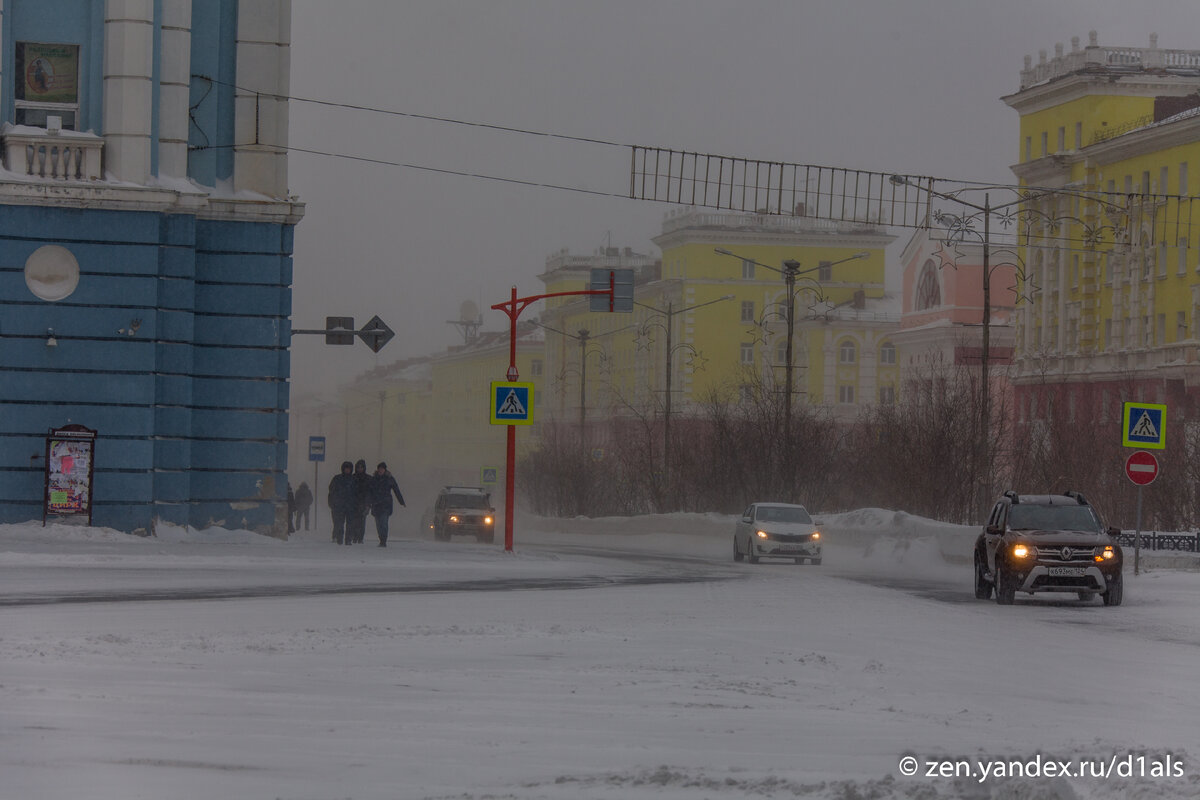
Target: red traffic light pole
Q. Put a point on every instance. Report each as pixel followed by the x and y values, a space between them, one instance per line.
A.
pixel 513 308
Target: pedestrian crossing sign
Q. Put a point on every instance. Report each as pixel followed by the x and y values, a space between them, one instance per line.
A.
pixel 1144 426
pixel 512 403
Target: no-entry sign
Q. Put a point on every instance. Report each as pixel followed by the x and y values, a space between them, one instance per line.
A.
pixel 1141 467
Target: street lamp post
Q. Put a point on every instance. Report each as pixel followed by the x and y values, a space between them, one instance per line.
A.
pixel 670 313
pixel 584 336
pixel 791 270
pixel 960 225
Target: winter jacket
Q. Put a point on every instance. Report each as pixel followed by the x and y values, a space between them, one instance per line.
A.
pixel 362 487
pixel 341 490
pixel 304 498
pixel 382 488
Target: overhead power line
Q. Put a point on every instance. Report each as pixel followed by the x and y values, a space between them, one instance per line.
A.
pixel 771 188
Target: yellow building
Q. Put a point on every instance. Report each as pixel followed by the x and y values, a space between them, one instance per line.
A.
pixel 1109 294
pixel 716 322
pixel 463 442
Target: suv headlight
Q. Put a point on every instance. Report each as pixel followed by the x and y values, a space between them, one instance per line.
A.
pixel 1022 550
pixel 816 535
pixel 1107 554
pixel 487 520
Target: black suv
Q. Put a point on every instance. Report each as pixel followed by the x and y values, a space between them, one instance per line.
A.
pixel 1047 543
pixel 464 511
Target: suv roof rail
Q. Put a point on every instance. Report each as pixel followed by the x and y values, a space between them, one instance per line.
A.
pixel 1079 498
pixel 1011 495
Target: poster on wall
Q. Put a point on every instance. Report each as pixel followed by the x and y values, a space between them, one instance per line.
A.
pixel 70 457
pixel 47 73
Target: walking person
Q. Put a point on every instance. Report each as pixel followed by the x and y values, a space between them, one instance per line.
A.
pixel 362 488
pixel 291 503
pixel 304 499
pixel 383 486
pixel 342 502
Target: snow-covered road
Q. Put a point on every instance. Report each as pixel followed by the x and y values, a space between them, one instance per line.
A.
pixel 764 681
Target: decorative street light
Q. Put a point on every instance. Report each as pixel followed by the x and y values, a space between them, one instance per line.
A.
pixel 791 270
pixel 583 337
pixel 960 226
pixel 670 312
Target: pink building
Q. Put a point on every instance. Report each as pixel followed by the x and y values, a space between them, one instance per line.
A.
pixel 941 321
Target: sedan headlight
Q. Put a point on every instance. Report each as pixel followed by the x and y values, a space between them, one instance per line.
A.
pixel 1021 551
pixel 761 534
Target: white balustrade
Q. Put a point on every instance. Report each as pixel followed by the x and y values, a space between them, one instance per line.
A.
pixel 36 153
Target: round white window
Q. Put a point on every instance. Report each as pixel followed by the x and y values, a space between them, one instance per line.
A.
pixel 51 272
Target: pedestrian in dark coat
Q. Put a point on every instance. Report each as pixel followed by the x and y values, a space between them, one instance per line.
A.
pixel 291 501
pixel 304 499
pixel 362 486
pixel 383 486
pixel 342 501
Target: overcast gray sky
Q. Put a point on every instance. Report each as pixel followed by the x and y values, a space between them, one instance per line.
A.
pixel 909 86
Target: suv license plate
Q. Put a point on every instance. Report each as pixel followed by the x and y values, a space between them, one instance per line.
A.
pixel 1066 572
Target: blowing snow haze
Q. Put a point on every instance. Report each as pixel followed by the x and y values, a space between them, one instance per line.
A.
pixel 464 212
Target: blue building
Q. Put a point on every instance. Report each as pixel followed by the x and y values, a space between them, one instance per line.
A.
pixel 145 256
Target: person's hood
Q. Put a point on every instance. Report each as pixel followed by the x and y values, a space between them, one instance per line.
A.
pixel 360 466
pixel 347 465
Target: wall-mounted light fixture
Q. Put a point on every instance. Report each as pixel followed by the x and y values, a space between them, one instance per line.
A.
pixel 50 340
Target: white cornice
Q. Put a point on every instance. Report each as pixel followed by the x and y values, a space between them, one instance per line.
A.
pixel 1146 140
pixel 1082 84
pixel 117 197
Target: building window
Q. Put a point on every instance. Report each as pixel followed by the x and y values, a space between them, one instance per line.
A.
pixel 825 271
pixel 1162 181
pixel 747 352
pixel 1180 326
pixel 1045 146
pixel 747 311
pixel 747 269
pixel 847 352
pixel 929 290
pixel 1162 259
pixel 1028 148
pixel 535 368
pixel 1181 266
pixel 887 353
pixel 1183 181
pixel 1078 135
pixel 1146 182
pixel 845 394
pixel 47 84
pixel 781 354
pixel 1160 333
pixel 887 395
pixel 1108 334
pixel 1062 139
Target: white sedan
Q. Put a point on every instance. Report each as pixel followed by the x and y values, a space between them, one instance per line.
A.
pixel 777 530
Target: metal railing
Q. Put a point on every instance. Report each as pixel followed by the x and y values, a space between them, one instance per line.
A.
pixel 1151 540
